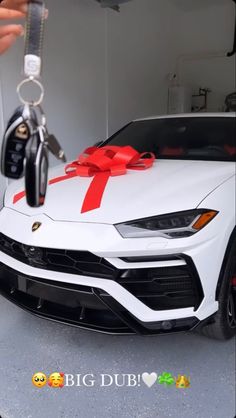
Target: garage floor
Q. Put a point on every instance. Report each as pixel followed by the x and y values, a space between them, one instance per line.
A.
pixel 29 344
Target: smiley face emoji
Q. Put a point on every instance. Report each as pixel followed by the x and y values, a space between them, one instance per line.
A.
pixel 39 380
pixel 56 380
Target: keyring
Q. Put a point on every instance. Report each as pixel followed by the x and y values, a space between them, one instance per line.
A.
pixel 27 102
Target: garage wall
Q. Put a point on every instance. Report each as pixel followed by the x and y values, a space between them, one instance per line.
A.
pixel 141 52
pixel 144 43
pixel 206 26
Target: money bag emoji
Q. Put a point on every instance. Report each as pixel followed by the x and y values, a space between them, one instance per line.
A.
pixel 182 382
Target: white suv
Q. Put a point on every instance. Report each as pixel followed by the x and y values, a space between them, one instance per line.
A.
pixel 157 256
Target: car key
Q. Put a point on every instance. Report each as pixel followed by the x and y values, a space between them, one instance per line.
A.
pixel 50 140
pixel 55 148
pixel 36 168
pixel 26 141
pixel 36 160
pixel 18 132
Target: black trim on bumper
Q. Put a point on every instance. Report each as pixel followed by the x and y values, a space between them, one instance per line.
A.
pixel 81 306
pixel 165 288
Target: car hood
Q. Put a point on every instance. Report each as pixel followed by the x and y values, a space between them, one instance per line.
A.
pixel 169 186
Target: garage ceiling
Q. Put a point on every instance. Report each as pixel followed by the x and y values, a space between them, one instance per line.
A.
pixel 113 4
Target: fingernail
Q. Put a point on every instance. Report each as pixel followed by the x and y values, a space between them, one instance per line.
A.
pixel 22 30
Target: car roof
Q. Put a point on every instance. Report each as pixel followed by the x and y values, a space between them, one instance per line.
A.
pixel 191 115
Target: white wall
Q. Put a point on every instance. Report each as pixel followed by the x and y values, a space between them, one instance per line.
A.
pixel 206 26
pixel 144 42
pixel 141 52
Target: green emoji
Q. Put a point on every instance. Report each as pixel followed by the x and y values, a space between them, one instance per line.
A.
pixel 166 379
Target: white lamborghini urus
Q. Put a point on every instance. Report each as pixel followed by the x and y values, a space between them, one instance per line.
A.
pixel 157 255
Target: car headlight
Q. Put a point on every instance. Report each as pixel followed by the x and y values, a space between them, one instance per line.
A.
pixel 172 225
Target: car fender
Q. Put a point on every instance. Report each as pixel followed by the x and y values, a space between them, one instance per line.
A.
pixel 223 199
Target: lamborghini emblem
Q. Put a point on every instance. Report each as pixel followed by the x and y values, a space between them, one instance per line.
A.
pixel 36 226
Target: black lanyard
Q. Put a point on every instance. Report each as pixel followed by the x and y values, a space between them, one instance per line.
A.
pixel 34 38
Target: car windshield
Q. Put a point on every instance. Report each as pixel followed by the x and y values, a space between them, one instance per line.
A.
pixel 187 138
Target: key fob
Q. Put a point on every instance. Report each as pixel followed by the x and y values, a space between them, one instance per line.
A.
pixel 36 169
pixel 19 130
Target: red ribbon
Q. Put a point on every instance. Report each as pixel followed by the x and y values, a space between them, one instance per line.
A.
pixel 101 163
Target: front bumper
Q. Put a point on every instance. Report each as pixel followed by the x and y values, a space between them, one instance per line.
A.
pixel 110 290
pixel 82 306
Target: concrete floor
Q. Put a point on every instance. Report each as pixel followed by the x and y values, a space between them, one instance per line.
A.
pixel 29 344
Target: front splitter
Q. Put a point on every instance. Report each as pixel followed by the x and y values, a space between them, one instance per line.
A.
pixel 82 306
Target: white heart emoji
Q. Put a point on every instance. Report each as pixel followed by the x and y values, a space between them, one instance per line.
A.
pixel 149 379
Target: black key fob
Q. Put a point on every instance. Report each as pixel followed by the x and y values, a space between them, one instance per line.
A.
pixel 36 169
pixel 19 130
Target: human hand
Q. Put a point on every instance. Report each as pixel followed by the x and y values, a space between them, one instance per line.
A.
pixel 11 9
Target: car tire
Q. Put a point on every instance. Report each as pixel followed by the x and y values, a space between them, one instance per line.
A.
pixel 223 324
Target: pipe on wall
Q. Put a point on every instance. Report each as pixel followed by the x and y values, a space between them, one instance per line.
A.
pixel 231 53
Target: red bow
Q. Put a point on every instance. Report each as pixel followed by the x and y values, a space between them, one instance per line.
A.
pixel 101 163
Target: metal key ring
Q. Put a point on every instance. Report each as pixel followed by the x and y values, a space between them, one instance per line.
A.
pixel 26 102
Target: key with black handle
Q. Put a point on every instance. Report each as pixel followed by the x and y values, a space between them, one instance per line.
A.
pixel 36 168
pixel 36 160
pixel 19 130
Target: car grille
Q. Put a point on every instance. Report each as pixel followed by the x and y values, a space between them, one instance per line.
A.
pixel 82 263
pixel 159 288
